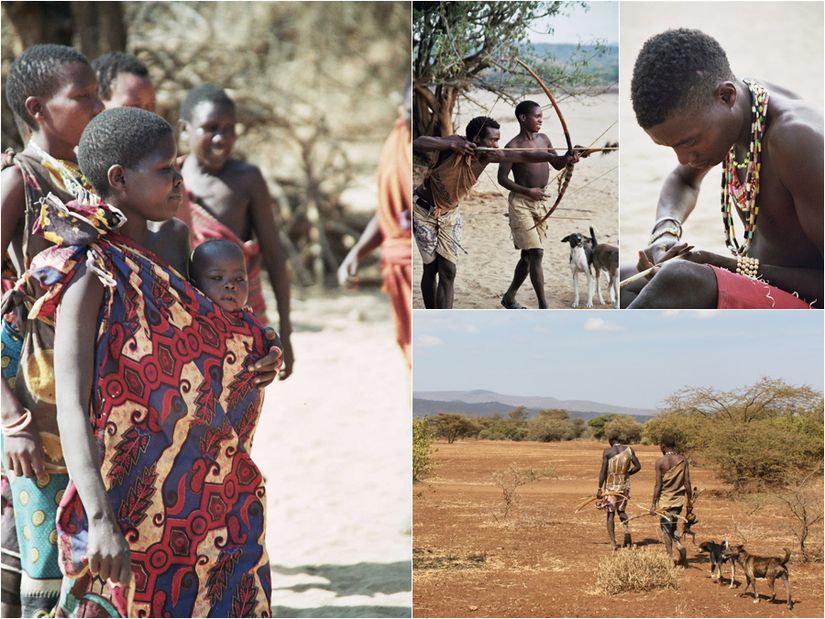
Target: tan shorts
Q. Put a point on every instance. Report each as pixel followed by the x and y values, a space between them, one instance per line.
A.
pixel 437 235
pixel 524 213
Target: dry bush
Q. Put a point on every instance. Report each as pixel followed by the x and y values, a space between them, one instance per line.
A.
pixel 511 479
pixel 635 569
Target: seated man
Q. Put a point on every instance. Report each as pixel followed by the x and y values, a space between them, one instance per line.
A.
pixel 686 97
pixel 436 219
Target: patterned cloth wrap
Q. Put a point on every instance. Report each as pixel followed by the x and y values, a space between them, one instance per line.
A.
pixel 173 412
pixel 33 506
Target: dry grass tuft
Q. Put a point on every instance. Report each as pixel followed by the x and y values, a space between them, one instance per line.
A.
pixel 635 569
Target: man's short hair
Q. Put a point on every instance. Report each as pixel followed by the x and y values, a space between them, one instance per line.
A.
pixel 675 70
pixel 204 92
pixel 477 127
pixel 123 136
pixel 38 73
pixel 667 440
pixel 615 435
pixel 110 65
pixel 525 107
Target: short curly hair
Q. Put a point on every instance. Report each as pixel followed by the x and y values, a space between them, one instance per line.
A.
pixel 123 136
pixel 477 127
pixel 675 70
pixel 38 72
pixel 525 107
pixel 199 94
pixel 108 66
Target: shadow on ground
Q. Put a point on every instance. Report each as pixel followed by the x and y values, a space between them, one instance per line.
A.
pixel 344 581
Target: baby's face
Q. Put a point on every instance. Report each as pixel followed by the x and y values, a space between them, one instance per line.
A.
pixel 223 279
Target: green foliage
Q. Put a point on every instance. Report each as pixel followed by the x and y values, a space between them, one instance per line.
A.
pixel 626 429
pixel 452 426
pixel 421 451
pixel 497 429
pixel 597 424
pixel 760 436
pixel 551 425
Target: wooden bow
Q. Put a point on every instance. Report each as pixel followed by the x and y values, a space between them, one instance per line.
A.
pixel 568 170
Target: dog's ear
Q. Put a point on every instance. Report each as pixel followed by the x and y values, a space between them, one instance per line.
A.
pixel 566 239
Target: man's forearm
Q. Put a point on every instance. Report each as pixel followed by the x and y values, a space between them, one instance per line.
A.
pixel 430 143
pixel 678 196
pixel 514 186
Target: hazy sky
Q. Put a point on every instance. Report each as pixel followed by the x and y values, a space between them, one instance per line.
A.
pixel 625 358
pixel 581 26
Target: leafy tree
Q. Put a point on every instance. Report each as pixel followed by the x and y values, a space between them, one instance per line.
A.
pixel 597 424
pixel 625 428
pixel 454 43
pixel 764 434
pixel 518 414
pixel 452 426
pixel 548 429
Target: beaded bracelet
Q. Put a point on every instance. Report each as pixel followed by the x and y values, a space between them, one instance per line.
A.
pixel 677 232
pixel 747 266
pixel 19 424
pixel 675 220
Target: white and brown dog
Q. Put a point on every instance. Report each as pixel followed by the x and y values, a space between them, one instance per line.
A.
pixel 605 257
pixel 581 257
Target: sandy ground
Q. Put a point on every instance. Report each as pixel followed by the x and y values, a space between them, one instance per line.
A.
pixel 779 42
pixel 486 270
pixel 334 446
pixel 541 561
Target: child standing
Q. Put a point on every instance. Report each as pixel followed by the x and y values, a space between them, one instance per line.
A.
pixel 229 199
pixel 165 513
pixel 52 89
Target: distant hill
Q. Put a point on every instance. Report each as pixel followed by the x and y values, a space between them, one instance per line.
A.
pixel 481 402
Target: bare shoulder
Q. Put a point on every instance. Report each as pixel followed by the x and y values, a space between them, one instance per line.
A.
pixel 796 129
pixel 12 179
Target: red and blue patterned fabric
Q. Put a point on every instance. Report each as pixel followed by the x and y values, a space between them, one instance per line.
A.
pixel 173 412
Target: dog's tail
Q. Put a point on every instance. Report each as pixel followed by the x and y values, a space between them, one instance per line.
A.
pixel 593 237
pixel 784 561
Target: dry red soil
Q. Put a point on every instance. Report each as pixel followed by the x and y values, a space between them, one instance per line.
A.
pixel 541 560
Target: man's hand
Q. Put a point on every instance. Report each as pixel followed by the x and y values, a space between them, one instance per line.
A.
pixel 571 158
pixel 461 145
pixel 536 193
pixel 23 452
pixel 658 253
pixel 289 359
pixel 348 272
pixel 108 552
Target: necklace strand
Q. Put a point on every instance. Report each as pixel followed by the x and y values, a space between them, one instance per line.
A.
pixel 746 202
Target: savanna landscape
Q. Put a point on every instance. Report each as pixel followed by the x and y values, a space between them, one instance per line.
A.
pixel 497 532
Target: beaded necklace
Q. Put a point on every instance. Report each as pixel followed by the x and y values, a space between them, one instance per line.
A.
pixel 745 198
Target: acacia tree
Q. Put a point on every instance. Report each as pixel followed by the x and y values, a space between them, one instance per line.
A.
pixel 455 42
pixel 452 426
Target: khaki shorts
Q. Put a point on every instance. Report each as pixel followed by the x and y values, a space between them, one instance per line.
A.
pixel 437 235
pixel 524 213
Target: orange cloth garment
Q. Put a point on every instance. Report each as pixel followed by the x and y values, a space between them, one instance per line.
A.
pixel 394 216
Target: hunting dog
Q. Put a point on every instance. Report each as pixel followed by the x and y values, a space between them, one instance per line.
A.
pixel 718 559
pixel 581 257
pixel 769 568
pixel 605 258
